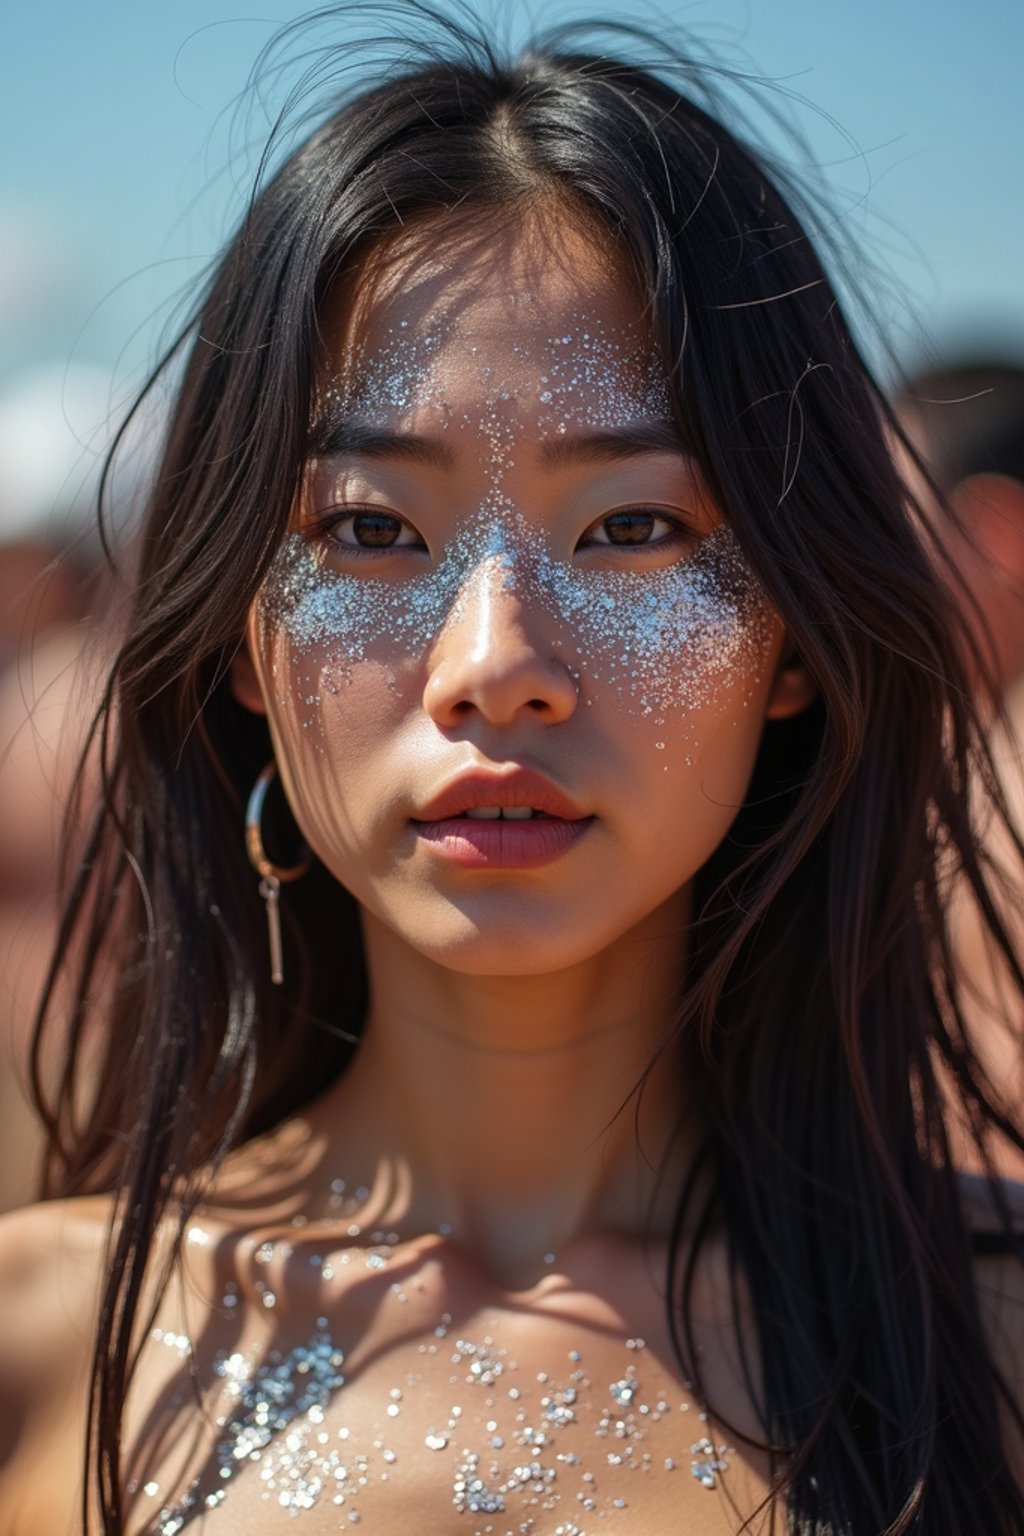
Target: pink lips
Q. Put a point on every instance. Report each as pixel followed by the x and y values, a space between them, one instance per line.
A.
pixel 501 844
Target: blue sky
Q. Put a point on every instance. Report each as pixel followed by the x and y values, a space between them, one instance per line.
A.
pixel 113 190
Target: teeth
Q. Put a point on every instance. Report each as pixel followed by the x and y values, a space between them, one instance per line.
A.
pixel 507 813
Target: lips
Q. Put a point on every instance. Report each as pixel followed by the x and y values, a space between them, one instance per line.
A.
pixel 516 790
pixel 515 820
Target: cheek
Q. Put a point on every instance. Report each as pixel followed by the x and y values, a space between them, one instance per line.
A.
pixel 340 675
pixel 330 725
pixel 315 625
pixel 684 787
pixel 672 644
pixel 334 648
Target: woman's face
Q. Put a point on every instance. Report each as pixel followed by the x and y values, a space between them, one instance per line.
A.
pixel 514 665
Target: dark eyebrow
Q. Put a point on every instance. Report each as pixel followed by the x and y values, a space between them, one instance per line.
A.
pixel 332 438
pixel 619 443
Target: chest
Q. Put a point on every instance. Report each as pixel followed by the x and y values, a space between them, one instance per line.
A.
pixel 482 1420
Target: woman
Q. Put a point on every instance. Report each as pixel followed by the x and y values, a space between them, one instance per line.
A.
pixel 536 1121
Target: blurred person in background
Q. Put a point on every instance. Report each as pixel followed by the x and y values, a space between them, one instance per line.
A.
pixel 967 420
pixel 47 479
pixel 50 586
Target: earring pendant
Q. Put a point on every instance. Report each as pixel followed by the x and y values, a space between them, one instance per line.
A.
pixel 270 890
pixel 271 874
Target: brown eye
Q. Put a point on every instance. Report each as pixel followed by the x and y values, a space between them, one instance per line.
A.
pixel 368 531
pixel 640 528
pixel 630 527
pixel 375 530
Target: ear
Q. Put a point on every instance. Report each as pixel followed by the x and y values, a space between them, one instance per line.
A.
pixel 245 685
pixel 793 689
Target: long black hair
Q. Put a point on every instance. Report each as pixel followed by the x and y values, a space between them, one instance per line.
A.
pixel 821 1009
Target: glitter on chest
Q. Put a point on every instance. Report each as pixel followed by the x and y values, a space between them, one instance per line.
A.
pixel 519 1450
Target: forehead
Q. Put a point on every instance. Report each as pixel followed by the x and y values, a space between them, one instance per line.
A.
pixel 493 304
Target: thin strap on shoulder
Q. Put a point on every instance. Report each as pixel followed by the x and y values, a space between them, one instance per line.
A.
pixel 985 1207
pixel 993 1244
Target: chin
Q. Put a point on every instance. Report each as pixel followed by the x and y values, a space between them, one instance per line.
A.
pixel 505 946
pixel 497 961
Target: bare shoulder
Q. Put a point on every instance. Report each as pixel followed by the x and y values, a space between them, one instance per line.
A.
pixel 51 1269
pixel 51 1265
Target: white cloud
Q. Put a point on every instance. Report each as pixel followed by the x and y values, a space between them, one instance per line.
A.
pixel 55 425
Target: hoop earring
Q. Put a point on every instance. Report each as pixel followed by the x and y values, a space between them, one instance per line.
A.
pixel 272 876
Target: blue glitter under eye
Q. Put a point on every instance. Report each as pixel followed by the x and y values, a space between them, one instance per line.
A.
pixel 665 638
pixel 668 637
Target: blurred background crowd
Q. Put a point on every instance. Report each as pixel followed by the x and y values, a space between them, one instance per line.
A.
pixel 128 151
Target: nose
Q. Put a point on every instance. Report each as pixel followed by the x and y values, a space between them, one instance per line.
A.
pixel 493 659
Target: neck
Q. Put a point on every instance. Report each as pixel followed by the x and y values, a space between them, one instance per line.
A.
pixel 508 1109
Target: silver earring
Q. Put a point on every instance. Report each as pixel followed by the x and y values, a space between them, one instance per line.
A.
pixel 272 876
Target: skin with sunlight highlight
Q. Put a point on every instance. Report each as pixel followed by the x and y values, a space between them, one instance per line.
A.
pixel 504 564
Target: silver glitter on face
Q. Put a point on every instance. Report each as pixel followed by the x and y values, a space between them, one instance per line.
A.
pixel 664 639
pixel 583 376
